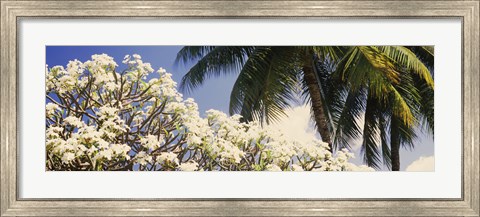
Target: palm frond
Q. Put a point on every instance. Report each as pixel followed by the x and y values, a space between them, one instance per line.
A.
pixel 426 110
pixel 358 63
pixel 400 107
pixel 405 134
pixel 426 105
pixel 324 52
pixel 192 53
pixel 266 85
pixel 405 58
pixel 424 54
pixel 378 61
pixel 347 112
pixel 371 134
pixel 218 61
pixel 396 93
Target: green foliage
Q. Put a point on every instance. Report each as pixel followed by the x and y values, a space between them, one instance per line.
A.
pixel 363 88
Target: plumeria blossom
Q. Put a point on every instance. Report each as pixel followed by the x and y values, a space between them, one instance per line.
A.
pixel 188 166
pixel 51 108
pixel 151 142
pixel 73 121
pixel 102 116
pixel 168 157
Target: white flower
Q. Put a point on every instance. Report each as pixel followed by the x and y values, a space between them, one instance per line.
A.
pixel 91 150
pixel 58 145
pixel 104 60
pixel 296 167
pixel 167 156
pixel 143 158
pixel 102 144
pixel 138 119
pixel 121 150
pixel 106 154
pixel 75 68
pixel 89 134
pixel 74 121
pixel 53 132
pixel 111 86
pixel 106 112
pixel 65 83
pixel 189 166
pixel 126 59
pixel 273 167
pixel 361 168
pixel 104 78
pixel 136 56
pixel 193 140
pixel 161 71
pixel 150 142
pixel 68 157
pixel 51 108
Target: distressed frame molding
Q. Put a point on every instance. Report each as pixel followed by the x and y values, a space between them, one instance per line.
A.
pixel 11 11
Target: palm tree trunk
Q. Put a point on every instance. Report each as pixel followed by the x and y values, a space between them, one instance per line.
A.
pixel 316 99
pixel 395 145
pixel 395 155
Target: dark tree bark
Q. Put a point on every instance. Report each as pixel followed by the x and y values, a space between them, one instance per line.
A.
pixel 395 145
pixel 316 100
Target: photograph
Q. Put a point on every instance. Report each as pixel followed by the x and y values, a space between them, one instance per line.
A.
pixel 239 108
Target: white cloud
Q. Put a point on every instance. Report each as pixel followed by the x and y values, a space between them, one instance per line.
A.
pixel 297 125
pixel 423 164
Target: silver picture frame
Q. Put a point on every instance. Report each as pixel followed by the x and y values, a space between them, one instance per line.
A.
pixel 12 11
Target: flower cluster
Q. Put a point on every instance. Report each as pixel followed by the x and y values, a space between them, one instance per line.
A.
pixel 101 119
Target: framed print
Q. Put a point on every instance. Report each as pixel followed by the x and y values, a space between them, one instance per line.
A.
pixel 226 108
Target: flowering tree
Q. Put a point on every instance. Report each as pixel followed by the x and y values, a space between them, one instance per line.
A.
pixel 98 118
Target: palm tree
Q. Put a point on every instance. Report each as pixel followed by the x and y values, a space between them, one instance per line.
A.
pixel 391 88
pixel 268 79
pixel 366 80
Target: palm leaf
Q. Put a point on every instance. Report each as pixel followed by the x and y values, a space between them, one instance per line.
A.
pixel 424 54
pixel 371 134
pixel 266 85
pixel 426 113
pixel 358 63
pixel 347 110
pixel 218 61
pixel 426 105
pixel 192 53
pixel 325 52
pixel 405 58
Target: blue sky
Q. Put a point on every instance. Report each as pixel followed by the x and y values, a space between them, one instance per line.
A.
pixel 213 94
